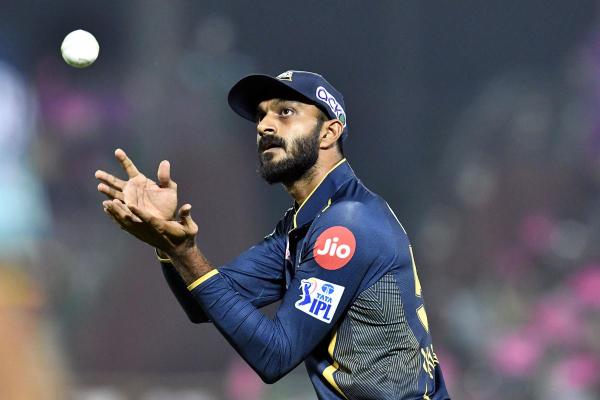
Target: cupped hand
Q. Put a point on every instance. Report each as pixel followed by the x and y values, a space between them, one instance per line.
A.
pixel 156 199
pixel 173 237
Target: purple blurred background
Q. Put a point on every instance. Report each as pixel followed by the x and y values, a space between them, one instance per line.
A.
pixel 477 121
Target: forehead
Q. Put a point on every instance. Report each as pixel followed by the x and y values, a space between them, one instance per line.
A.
pixel 279 102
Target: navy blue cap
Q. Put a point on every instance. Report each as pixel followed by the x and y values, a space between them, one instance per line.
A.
pixel 304 86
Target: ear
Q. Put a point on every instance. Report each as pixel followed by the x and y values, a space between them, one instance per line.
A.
pixel 330 133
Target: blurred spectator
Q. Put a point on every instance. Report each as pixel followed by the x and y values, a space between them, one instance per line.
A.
pixel 516 226
pixel 31 366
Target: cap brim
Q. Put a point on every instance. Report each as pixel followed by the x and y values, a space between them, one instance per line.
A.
pixel 245 95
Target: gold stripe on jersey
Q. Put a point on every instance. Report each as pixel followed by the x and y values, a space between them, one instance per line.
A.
pixel 423 317
pixel 418 290
pixel 328 372
pixel 327 206
pixel 425 396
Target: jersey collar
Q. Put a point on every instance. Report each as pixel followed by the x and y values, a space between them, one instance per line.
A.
pixel 321 195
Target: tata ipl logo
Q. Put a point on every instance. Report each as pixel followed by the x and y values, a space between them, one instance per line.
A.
pixel 327 98
pixel 319 298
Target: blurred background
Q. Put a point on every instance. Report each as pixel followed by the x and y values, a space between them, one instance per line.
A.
pixel 477 121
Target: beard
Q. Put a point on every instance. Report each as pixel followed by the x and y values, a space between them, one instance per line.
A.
pixel 301 156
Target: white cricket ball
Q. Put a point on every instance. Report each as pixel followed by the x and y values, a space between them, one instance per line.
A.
pixel 80 49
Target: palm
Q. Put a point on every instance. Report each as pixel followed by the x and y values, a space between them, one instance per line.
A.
pixel 147 209
pixel 160 202
pixel 157 199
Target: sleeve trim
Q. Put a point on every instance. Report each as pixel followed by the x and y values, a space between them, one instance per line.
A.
pixel 200 280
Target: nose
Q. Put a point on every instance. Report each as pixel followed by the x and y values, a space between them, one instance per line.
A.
pixel 266 126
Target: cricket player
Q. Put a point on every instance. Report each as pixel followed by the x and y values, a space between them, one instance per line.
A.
pixel 339 260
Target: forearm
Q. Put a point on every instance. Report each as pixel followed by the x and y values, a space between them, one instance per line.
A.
pixel 256 275
pixel 191 307
pixel 174 273
pixel 264 343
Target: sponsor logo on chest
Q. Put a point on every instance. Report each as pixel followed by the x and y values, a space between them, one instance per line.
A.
pixel 334 247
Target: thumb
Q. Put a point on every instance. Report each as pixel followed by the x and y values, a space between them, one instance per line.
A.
pixel 164 175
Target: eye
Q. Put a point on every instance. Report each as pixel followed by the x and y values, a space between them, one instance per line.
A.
pixel 286 111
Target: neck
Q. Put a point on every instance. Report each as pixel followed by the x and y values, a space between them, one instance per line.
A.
pixel 303 187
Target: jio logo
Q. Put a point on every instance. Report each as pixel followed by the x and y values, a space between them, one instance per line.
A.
pixel 334 247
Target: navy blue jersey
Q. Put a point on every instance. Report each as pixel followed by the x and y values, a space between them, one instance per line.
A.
pixel 351 303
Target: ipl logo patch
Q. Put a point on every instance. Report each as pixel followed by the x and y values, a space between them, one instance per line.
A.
pixel 319 298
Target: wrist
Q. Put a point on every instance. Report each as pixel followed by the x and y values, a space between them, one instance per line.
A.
pixel 162 256
pixel 184 254
pixel 190 263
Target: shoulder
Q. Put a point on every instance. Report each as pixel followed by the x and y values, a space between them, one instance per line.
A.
pixel 361 219
pixel 347 211
pixel 366 210
pixel 367 216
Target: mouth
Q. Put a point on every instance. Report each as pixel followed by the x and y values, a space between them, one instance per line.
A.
pixel 270 146
pixel 268 142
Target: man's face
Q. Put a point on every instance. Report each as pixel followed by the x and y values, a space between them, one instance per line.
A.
pixel 288 139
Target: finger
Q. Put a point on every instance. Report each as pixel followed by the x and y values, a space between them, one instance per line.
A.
pixel 114 218
pixel 145 216
pixel 106 210
pixel 113 213
pixel 170 228
pixel 125 211
pixel 185 214
pixel 119 214
pixel 164 175
pixel 110 214
pixel 110 192
pixel 186 218
pixel 115 210
pixel 126 163
pixel 110 180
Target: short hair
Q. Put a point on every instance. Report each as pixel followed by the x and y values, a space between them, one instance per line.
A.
pixel 323 117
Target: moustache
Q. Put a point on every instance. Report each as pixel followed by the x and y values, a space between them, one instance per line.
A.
pixel 269 141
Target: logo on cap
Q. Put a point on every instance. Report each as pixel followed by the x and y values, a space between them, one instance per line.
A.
pixel 285 76
pixel 326 97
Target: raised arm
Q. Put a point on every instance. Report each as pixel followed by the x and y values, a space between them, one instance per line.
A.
pixel 271 346
pixel 257 274
pixel 160 200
